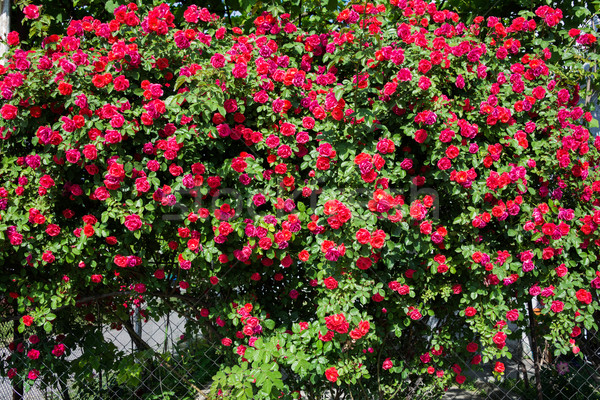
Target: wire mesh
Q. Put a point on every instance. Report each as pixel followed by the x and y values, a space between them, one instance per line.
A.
pixel 162 358
pixel 153 359
pixel 561 377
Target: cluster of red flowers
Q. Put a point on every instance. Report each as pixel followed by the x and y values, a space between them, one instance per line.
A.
pixel 338 212
pixel 269 122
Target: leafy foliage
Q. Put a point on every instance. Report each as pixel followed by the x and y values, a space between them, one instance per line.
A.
pixel 360 206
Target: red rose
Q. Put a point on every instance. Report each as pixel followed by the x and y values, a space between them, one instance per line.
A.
pixel 331 374
pixel 90 152
pixel 470 311
pixel 363 236
pixel 337 323
pixel 27 320
pixel 304 255
pixel 88 230
pixel 472 347
pixel 120 260
pixel 53 230
pixel 121 83
pixel 58 350
pixel 425 227
pixel 72 156
pixel 48 257
pixel 499 339
pixel 378 239
pixel 265 243
pixel 499 367
pixel 414 314
pixel 8 111
pixel 330 283
pixel 319 113
pixel 584 296
pixel 101 193
pixel 322 163
pixel 65 88
pixel 561 270
pixel 444 163
pixel 96 278
pixel 13 38
pixel 557 306
pixel 364 263
pixel 261 97
pixel 424 66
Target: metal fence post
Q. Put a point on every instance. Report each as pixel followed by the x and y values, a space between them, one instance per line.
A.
pixel 536 357
pixel 17 384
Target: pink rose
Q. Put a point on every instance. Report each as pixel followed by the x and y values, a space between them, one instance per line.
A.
pixel 404 75
pixel 284 151
pixel 33 374
pixel 444 163
pixel 33 354
pixel 73 156
pixel 240 71
pixel 31 12
pixel 308 122
pixel 121 83
pixel 217 61
pixel 133 222
pixel 387 364
pixel 261 97
pixel 101 193
pixel 512 315
pixel 58 350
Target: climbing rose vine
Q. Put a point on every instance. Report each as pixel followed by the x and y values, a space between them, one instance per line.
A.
pixel 370 206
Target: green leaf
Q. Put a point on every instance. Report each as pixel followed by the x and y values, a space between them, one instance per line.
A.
pixel 269 324
pixel 267 386
pixel 110 6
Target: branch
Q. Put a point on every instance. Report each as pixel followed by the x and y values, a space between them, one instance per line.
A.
pixel 379 367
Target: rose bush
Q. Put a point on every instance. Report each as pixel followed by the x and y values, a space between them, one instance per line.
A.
pixel 365 206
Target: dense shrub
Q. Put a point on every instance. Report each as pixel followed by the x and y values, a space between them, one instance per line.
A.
pixel 367 205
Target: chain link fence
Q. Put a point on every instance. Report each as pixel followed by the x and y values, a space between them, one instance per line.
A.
pixel 551 377
pixel 161 358
pixel 143 358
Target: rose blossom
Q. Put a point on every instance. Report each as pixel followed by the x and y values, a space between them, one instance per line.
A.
pixel 31 11
pixel 133 222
